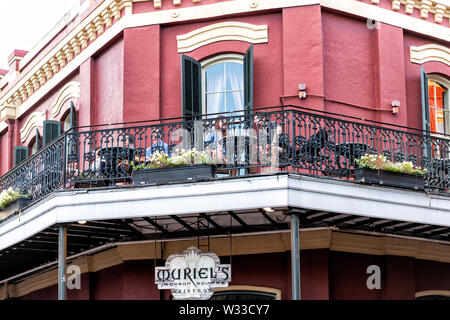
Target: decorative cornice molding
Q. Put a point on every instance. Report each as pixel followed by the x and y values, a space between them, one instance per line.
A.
pixel 8 111
pixel 230 30
pixel 430 52
pixel 439 8
pixel 92 27
pixel 70 90
pixel 36 119
pixel 157 4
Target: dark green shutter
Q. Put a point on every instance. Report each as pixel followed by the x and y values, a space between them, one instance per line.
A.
pixel 425 100
pixel 191 87
pixel 73 115
pixel 52 129
pixel 248 79
pixel 38 140
pixel 425 113
pixel 248 85
pixel 20 154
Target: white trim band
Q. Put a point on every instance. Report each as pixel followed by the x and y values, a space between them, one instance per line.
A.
pixel 276 191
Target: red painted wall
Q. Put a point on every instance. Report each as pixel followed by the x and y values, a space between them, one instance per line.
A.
pixel 348 68
pixel 324 275
pixel 109 84
pixel 141 96
pixel 303 58
pixel 432 275
pixel 348 276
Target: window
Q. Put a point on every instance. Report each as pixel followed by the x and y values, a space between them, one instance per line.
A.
pixel 439 109
pixel 435 103
pixel 36 142
pixel 220 84
pixel 433 295
pixel 67 123
pixel 70 120
pixel 223 84
pixel 243 295
pixel 246 292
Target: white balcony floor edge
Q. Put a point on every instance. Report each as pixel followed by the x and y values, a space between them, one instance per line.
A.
pixel 232 194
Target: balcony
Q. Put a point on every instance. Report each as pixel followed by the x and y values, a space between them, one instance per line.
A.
pixel 284 159
pixel 282 139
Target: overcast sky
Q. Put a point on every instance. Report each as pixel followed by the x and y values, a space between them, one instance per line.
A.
pixel 24 22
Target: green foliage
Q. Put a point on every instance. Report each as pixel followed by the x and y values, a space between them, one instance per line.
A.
pixel 9 195
pixel 181 158
pixel 380 162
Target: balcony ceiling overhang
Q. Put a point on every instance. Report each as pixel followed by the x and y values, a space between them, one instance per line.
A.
pixel 281 191
pixel 212 208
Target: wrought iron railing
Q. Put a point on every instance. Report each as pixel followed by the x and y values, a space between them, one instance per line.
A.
pixel 285 139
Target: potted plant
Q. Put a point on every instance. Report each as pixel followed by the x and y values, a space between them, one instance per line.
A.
pixel 11 201
pixel 185 165
pixel 377 169
pixel 87 179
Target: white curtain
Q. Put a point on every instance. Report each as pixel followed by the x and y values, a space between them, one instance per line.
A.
pixel 215 83
pixel 236 81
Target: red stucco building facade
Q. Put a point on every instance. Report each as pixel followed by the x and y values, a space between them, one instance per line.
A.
pixel 120 61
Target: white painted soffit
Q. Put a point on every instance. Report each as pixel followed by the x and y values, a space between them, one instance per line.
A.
pixel 229 194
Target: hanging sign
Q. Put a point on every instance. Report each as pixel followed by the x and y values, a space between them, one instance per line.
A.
pixel 193 274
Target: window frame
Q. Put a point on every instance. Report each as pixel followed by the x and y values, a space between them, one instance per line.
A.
pixel 228 57
pixel 32 145
pixel 248 289
pixel 65 119
pixel 422 295
pixel 445 83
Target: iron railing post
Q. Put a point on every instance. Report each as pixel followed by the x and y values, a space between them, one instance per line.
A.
pixel 65 160
pixel 292 137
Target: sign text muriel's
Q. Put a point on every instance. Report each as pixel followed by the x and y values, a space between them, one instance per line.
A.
pixel 193 274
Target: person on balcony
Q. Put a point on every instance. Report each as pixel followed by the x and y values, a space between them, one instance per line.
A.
pixel 215 143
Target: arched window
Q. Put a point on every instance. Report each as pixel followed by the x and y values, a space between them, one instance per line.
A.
pixel 220 84
pixel 70 119
pixel 438 99
pixel 435 103
pixel 67 123
pixel 223 84
pixel 35 143
pixel 243 292
pixel 433 295
pixel 34 147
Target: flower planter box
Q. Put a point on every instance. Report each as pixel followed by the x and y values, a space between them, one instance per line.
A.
pixel 389 178
pixel 14 206
pixel 174 174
